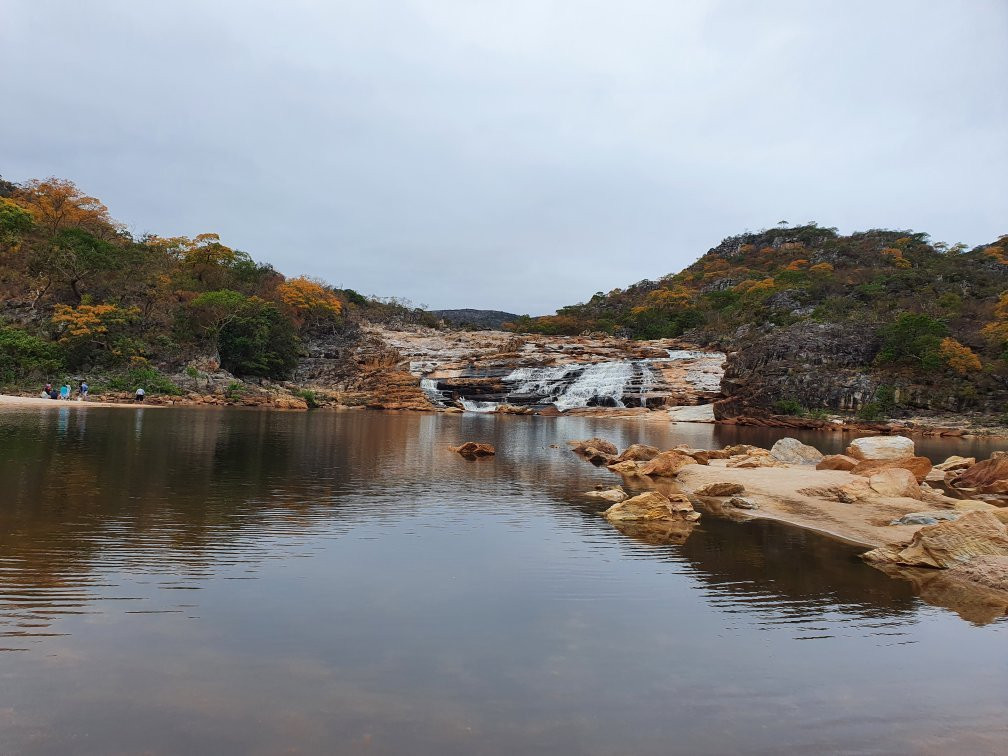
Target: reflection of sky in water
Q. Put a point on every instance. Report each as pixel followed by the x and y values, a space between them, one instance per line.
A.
pixel 221 581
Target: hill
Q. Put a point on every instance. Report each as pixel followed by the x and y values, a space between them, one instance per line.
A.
pixel 475 319
pixel 877 321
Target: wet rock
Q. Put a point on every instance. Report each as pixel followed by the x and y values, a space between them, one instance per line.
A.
pixel 721 489
pixel 473 449
pixel 616 494
pixel 793 452
pixel 989 571
pixel 947 544
pixel 638 453
pixel 740 502
pixel 597 457
pixel 881 447
pixel 667 464
pixel 653 506
pixel 919 466
pixel 895 482
pixel 837 462
pixel 601 445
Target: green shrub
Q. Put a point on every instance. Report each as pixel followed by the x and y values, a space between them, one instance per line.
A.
pixel 146 377
pixel 24 356
pixel 870 412
pixel 789 407
pixel 260 341
pixel 912 340
pixel 235 390
pixel 309 396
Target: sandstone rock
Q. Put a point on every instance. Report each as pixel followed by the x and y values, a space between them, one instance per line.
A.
pixel 638 453
pixel 597 457
pixel 895 482
pixel 984 476
pixel 936 475
pixel 956 463
pixel 627 468
pixel 754 460
pixel 743 450
pixel 947 544
pixel 717 454
pixel 970 505
pixel 742 503
pixel 609 494
pixel 919 466
pixel 837 462
pixel 580 447
pixel 652 506
pixel 667 464
pixel 793 452
pixel 721 489
pixel 991 571
pixel 473 449
pixel 881 447
pixel 700 456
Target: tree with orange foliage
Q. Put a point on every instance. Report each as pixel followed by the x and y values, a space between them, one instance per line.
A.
pixel 309 302
pixel 958 356
pixel 201 254
pixel 94 331
pixel 56 204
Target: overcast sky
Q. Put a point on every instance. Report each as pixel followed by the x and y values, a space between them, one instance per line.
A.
pixel 511 155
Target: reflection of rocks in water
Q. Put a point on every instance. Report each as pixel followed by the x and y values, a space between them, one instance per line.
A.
pixel 657 533
pixel 972 601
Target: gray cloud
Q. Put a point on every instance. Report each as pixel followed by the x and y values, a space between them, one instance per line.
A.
pixel 515 155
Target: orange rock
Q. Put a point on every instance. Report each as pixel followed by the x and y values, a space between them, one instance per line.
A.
pixel 919 466
pixel 473 449
pixel 667 464
pixel 837 462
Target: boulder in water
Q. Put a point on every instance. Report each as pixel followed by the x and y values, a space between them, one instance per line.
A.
pixel 794 452
pixel 616 494
pixel 638 453
pixel 740 502
pixel 919 466
pixel 473 449
pixel 667 464
pixel 881 447
pixel 653 506
pixel 601 445
pixel 627 468
pixel 956 463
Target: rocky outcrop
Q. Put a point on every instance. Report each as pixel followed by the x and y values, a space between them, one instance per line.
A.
pixel 598 444
pixel 653 506
pixel 720 489
pixel 638 453
pixel 667 464
pixel 616 494
pixel 895 482
pixel 794 452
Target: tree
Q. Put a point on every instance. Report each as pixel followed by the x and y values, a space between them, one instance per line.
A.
pixel 94 333
pixel 309 302
pixel 75 257
pixel 913 340
pixel 259 341
pixel 213 310
pixel 24 355
pixel 58 204
pixel 959 357
pixel 15 222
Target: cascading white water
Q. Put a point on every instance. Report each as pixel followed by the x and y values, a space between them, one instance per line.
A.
pixel 472 406
pixel 430 387
pixel 574 385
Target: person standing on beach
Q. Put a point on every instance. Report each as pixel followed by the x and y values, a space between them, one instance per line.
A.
pixel 82 392
pixel 140 394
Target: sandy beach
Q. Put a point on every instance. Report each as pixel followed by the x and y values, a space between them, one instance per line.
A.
pixel 7 400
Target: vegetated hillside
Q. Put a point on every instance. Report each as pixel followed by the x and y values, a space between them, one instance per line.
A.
pixel 82 296
pixel 475 320
pixel 877 321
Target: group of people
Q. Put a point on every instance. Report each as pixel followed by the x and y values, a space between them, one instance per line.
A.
pixel 64 392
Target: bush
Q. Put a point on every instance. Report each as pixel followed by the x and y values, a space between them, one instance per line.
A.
pixel 309 396
pixel 913 340
pixel 146 377
pixel 789 407
pixel 24 356
pixel 870 412
pixel 260 341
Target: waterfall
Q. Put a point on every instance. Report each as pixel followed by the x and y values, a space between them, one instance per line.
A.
pixel 430 387
pixel 574 385
pixel 472 406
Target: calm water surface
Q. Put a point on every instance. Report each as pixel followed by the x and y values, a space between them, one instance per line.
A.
pixel 208 581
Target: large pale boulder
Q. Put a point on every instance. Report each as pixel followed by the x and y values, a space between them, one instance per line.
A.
pixel 793 452
pixel 881 447
pixel 667 464
pixel 895 482
pixel 947 544
pixel 638 453
pixel 720 489
pixel 919 466
pixel 601 445
pixel 653 506
pixel 837 462
pixel 473 449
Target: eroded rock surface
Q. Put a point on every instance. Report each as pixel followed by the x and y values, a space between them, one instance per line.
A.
pixel 653 506
pixel 881 447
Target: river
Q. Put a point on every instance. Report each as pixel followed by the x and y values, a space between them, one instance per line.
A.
pixel 240 581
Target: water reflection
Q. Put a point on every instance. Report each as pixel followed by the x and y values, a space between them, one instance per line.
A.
pixel 341 581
